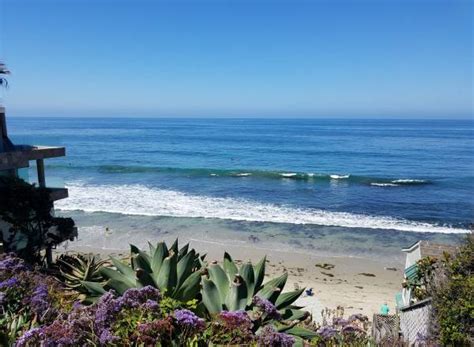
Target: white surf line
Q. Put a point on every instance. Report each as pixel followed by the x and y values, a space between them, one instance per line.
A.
pixel 141 200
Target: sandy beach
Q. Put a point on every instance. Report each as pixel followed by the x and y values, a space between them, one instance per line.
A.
pixel 358 284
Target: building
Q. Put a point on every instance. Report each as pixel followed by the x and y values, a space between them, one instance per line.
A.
pixel 15 161
pixel 422 249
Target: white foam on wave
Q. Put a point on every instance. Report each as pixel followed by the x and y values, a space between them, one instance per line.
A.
pixel 406 180
pixel 384 184
pixel 243 174
pixel 288 175
pixel 142 200
pixel 339 177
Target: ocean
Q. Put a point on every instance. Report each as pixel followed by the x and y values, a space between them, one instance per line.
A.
pixel 345 186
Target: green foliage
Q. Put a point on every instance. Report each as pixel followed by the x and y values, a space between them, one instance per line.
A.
pixel 27 210
pixel 75 269
pixel 230 288
pixel 425 270
pixel 452 294
pixel 175 272
pixel 13 324
pixel 169 305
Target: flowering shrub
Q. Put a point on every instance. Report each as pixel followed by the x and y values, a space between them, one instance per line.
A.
pixel 268 336
pixel 36 310
pixel 26 297
pixel 231 328
pixel 338 331
pixel 132 319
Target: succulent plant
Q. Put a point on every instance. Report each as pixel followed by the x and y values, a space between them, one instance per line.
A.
pixel 230 288
pixel 75 269
pixel 173 271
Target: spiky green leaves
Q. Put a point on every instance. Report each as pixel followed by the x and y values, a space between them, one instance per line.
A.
pixel 174 271
pixel 231 288
pixel 74 269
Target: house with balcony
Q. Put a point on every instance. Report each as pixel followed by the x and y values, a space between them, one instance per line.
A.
pixel 15 161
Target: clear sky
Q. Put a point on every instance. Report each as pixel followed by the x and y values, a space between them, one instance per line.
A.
pixel 238 58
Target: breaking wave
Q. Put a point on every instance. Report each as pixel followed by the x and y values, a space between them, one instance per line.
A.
pixel 256 174
pixel 142 200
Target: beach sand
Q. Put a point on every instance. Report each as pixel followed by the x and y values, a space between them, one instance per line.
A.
pixel 360 285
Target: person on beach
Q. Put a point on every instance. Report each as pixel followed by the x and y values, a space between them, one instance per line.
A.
pixel 384 309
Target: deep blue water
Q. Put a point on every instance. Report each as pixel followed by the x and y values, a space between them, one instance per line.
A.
pixel 405 175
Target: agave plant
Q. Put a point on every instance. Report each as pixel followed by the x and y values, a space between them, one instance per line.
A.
pixel 231 288
pixel 228 287
pixel 75 269
pixel 173 271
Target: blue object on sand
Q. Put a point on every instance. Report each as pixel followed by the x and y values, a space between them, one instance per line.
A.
pixel 309 292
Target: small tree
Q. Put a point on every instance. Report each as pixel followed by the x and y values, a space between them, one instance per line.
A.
pixel 29 226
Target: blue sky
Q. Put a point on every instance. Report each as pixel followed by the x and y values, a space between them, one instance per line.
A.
pixel 238 58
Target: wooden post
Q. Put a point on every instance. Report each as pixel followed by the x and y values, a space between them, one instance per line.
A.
pixel 49 256
pixel 40 169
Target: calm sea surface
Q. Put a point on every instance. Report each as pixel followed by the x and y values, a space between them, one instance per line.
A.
pixel 308 184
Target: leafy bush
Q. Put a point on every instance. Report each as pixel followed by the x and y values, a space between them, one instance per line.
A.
pixel 451 287
pixel 27 210
pixel 423 278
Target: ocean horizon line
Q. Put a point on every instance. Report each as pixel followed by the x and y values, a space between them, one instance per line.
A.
pixel 250 117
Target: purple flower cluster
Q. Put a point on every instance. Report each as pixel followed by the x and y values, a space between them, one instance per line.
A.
pixel 107 338
pixel 352 329
pixel 31 337
pixel 327 332
pixel 9 283
pixel 88 323
pixel 187 320
pixel 236 319
pixel 39 300
pixel 157 331
pixel 232 328
pixel 267 307
pixel 105 310
pixel 108 307
pixel 11 264
pixel 134 297
pixel 66 330
pixel 268 336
